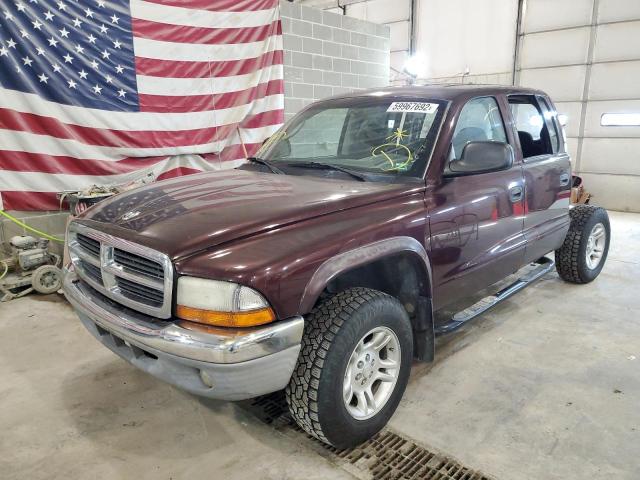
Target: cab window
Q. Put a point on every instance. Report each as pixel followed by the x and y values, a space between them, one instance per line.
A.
pixel 479 120
pixel 533 132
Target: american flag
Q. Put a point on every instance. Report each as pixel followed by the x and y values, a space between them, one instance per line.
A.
pixel 108 91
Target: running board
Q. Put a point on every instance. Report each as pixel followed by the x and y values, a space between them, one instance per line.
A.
pixel 542 266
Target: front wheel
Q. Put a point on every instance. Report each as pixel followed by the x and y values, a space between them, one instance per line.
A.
pixel 584 251
pixel 353 367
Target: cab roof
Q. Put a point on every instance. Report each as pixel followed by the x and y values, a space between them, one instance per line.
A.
pixel 450 91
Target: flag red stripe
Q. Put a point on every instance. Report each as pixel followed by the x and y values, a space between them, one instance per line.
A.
pixel 21 200
pixel 40 162
pixel 202 35
pixel 202 103
pixel 41 125
pixel 18 200
pixel 186 69
pixel 221 5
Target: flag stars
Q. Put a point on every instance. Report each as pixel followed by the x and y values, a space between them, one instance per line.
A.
pixel 105 54
pixel 52 42
pixel 114 19
pixel 100 3
pixel 20 6
pixel 37 25
pixel 83 74
pixel 109 79
pixel 40 50
pixel 79 48
pixel 64 32
pixel 24 34
pixel 103 29
pixel 88 13
pixel 77 22
pixel 117 44
pixel 43 78
pixel 27 61
pixel 56 67
pixel 8 15
pixel 72 84
pixel 119 69
pixel 121 93
pixel 11 43
pixel 91 39
pixel 4 52
pixel 62 6
pixel 49 16
pixel 94 64
pixel 68 58
pixel 97 89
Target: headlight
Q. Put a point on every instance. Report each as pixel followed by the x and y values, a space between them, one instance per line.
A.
pixel 223 304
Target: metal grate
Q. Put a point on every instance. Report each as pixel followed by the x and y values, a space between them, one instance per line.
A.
pixel 140 293
pixel 89 244
pixel 387 456
pixel 93 271
pixel 138 264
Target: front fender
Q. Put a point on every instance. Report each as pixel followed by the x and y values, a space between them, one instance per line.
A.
pixel 359 256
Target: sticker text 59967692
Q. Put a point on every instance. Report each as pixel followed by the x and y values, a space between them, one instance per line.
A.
pixel 417 107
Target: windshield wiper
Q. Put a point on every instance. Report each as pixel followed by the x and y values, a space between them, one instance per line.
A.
pixel 269 165
pixel 329 166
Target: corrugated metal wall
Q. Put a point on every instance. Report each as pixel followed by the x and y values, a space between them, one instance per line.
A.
pixel 585 53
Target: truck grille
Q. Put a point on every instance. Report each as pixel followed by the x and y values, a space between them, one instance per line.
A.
pixel 128 273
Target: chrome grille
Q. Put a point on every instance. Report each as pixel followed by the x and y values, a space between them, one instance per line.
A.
pixel 135 276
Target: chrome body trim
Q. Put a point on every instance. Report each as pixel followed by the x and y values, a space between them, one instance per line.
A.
pixel 110 269
pixel 225 346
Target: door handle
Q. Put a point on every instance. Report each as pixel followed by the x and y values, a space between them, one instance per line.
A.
pixel 564 179
pixel 515 194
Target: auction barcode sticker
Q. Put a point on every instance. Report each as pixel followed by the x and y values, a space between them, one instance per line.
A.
pixel 419 107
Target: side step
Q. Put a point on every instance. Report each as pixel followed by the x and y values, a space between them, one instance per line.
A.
pixel 541 267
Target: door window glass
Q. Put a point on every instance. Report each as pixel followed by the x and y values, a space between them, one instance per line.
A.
pixel 532 128
pixel 479 120
pixel 549 120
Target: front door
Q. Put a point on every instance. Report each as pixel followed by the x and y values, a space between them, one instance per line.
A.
pixel 476 220
pixel 547 173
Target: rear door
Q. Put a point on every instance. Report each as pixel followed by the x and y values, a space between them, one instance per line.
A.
pixel 547 173
pixel 475 220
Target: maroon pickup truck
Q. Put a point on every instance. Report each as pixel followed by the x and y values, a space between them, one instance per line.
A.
pixel 317 266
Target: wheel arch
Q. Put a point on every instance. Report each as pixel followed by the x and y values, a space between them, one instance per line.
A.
pixel 398 266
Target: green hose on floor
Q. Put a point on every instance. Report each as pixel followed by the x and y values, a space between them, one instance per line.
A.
pixel 31 229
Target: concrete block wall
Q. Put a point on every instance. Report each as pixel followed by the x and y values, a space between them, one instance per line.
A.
pixel 328 54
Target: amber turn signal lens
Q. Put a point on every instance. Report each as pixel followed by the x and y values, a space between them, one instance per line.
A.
pixel 226 319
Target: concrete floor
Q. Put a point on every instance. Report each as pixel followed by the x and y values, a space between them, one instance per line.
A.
pixel 544 386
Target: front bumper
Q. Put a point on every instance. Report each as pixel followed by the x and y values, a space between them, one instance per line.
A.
pixel 228 364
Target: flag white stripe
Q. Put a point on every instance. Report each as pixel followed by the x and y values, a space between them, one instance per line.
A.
pixel 137 121
pixel 190 17
pixel 188 52
pixel 44 144
pixel 205 86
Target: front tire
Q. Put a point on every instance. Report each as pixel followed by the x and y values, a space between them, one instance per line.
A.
pixel 582 255
pixel 353 367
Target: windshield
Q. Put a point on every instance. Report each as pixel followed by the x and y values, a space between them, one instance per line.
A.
pixel 362 134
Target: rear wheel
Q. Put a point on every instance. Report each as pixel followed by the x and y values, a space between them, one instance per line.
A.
pixel 353 366
pixel 582 255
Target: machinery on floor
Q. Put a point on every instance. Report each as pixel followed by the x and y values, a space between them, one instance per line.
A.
pixel 29 267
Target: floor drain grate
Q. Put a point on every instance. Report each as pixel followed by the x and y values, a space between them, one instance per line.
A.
pixel 387 456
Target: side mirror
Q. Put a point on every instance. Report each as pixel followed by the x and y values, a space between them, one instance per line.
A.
pixel 482 157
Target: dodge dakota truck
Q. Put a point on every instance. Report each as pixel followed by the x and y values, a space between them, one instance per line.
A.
pixel 317 265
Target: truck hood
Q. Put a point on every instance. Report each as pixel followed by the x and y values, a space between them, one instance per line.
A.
pixel 188 214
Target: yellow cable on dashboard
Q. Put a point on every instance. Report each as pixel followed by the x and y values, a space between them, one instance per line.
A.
pixel 31 229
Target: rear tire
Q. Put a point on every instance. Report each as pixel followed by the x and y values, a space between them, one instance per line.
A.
pixel 339 346
pixel 582 255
